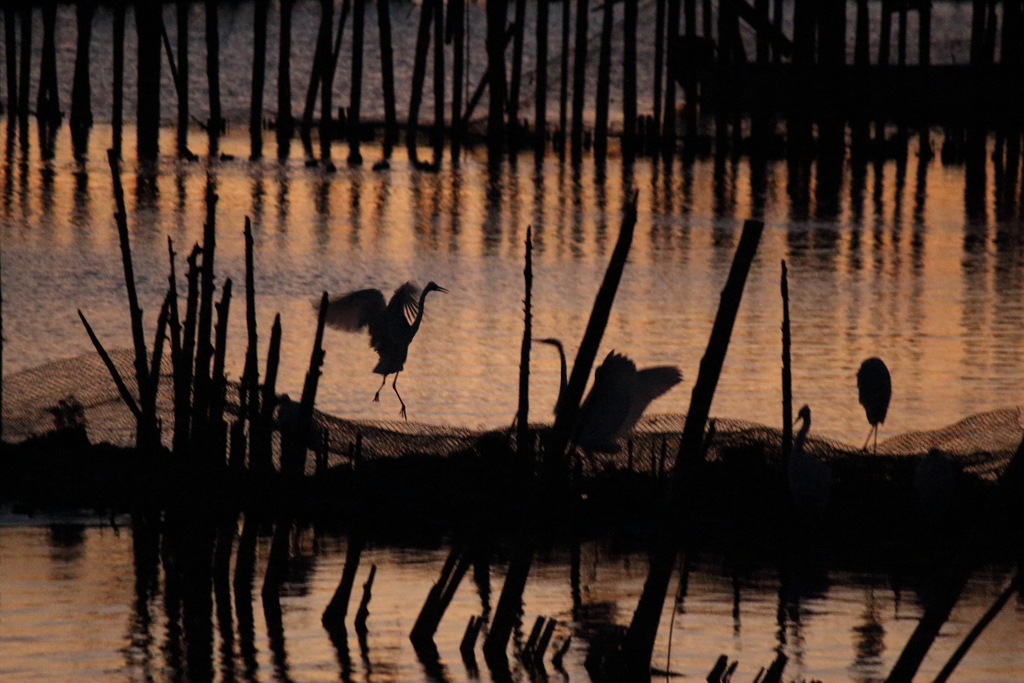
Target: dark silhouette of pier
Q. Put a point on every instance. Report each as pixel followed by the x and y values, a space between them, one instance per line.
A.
pixel 780 78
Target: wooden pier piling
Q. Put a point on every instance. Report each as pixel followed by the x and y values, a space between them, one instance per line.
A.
pixel 540 113
pixel 356 97
pixel 604 67
pixel 259 52
pixel 579 79
pixel 285 122
pixel 216 122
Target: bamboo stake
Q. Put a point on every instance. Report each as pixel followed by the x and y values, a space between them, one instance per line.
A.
pixel 250 378
pixel 294 457
pixel 219 381
pixel 122 388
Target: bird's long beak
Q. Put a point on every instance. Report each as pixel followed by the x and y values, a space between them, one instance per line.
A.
pixel 442 290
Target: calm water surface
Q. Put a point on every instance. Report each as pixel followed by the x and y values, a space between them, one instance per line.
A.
pixel 70 608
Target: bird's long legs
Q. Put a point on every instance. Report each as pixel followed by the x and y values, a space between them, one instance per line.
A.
pixel 394 385
pixel 376 397
pixel 873 430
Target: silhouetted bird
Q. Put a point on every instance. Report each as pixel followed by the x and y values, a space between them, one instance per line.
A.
pixel 616 401
pixel 392 326
pixel 810 480
pixel 875 388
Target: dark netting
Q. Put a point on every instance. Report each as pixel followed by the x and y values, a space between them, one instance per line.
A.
pixel 36 400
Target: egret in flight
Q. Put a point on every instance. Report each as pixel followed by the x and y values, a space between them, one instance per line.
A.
pixel 810 480
pixel 392 326
pixel 875 388
pixel 617 399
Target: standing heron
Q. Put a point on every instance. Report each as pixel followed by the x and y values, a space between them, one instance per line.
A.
pixel 875 387
pixel 617 399
pixel 810 480
pixel 392 326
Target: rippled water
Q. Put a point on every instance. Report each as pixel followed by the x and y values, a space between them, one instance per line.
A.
pixel 70 608
pixel 913 264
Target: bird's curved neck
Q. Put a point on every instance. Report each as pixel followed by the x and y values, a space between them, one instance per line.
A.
pixel 801 437
pixel 419 311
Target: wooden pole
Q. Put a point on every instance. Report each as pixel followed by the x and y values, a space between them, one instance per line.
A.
pixel 387 76
pixel 81 92
pixel 419 75
pixel 326 98
pixel 509 604
pixel 524 442
pixel 579 80
pixel 25 65
pixel 604 68
pixel 285 122
pixel 259 69
pixel 11 53
pixel 216 122
pixel 181 13
pixel 517 75
pixel 668 129
pixel 659 59
pixel 497 11
pixel 599 315
pixel 204 326
pixel 48 99
pixel 787 378
pixel 356 96
pixel 540 112
pixel 644 627
pixel 320 57
pixel 457 29
pixel 563 90
pixel 333 618
pixel 118 78
pixel 438 133
pixel 629 108
pixel 251 374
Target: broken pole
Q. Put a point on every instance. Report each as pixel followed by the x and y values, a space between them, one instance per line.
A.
pixel 787 379
pixel 524 444
pixel 639 643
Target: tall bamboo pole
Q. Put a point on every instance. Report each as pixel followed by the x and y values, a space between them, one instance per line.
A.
pixel 259 68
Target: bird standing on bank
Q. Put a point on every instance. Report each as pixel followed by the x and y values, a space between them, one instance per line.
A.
pixel 391 326
pixel 875 388
pixel 617 399
pixel 810 480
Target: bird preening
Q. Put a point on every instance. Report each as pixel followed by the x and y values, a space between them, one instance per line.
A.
pixel 875 388
pixel 392 326
pixel 617 399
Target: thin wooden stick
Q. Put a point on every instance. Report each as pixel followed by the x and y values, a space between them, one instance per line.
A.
pixel 122 389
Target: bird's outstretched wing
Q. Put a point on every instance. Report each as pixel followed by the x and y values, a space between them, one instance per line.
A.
pixel 649 384
pixel 354 311
pixel 608 404
pixel 404 304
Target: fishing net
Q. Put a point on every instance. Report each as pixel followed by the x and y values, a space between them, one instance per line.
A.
pixel 80 391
